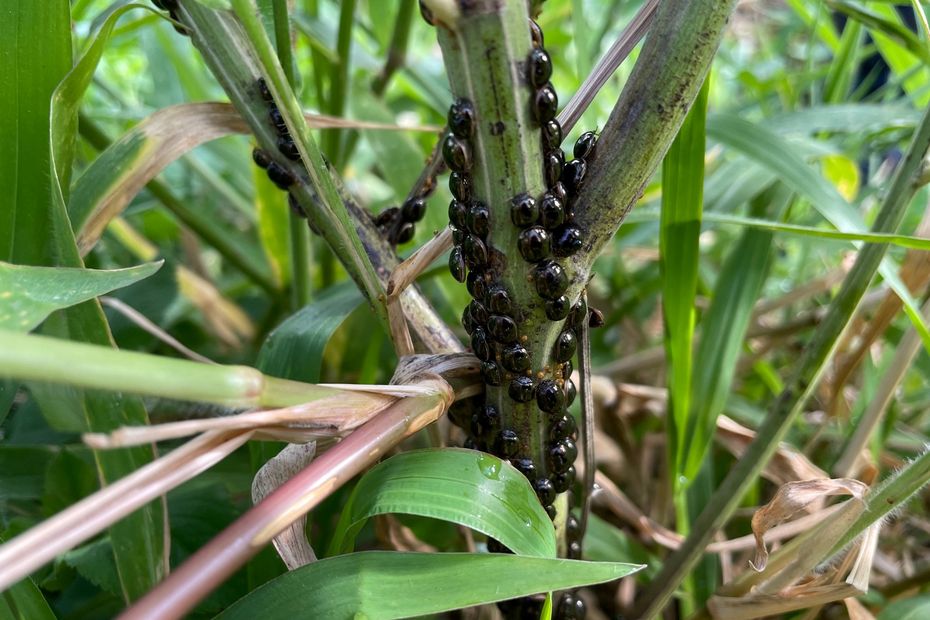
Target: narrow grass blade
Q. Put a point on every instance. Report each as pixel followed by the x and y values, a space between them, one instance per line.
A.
pixel 680 228
pixel 29 294
pixel 379 585
pixel 465 487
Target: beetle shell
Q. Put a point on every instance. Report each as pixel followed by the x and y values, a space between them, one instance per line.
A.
pixel 261 158
pixel 515 358
pixel 565 346
pixel 455 153
pixel 564 481
pixel 523 210
pixel 499 301
pixel 545 104
pixel 534 244
pixel 551 135
pixel 521 389
pixel 558 308
pixel 551 280
pixel 551 212
pixel 567 240
pixel 549 396
pixel 457 213
pixel 553 162
pixel 460 186
pixel 502 328
pixel 562 454
pixel 461 119
pixel 480 345
pixel 544 491
pixel 413 209
pixel 507 443
pixel 584 145
pixel 478 219
pixel 539 67
pixel 457 264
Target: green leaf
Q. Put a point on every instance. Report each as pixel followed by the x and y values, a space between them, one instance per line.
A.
pixel 29 294
pixel 35 52
pixel 469 488
pixel 36 44
pixel 294 350
pixel 94 562
pixel 24 601
pixel 767 148
pixel 894 30
pixel 916 608
pixel 379 585
pixel 23 470
pixel 723 329
pixel 679 256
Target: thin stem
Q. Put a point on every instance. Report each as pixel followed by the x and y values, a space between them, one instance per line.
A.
pixel 798 388
pixel 339 80
pixel 397 50
pixel 300 234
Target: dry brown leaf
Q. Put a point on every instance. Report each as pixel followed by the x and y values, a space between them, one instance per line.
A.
pixel 291 544
pixel 790 499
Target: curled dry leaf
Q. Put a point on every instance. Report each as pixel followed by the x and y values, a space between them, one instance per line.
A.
pixel 790 499
pixel 291 544
pixel 148 148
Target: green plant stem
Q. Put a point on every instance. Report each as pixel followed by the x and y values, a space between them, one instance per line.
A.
pixel 339 81
pixel 300 234
pixel 798 389
pixel 397 50
pixel 237 52
pixel 29 357
pixel 96 137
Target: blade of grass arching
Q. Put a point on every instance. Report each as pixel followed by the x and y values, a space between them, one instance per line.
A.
pixel 29 294
pixel 217 238
pixel 382 585
pixel 35 38
pixel 679 256
pixel 843 70
pixel 723 328
pixel 299 233
pixel 876 22
pixel 472 489
pixel 768 149
pixel 798 388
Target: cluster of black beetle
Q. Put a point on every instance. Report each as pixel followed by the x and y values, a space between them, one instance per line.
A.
pixel 172 7
pixel 547 233
pixel 278 174
pixel 398 224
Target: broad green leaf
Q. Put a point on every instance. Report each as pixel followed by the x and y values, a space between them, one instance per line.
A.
pixel 466 487
pixel 29 294
pixel 916 608
pixel 294 350
pixel 380 585
pixel 843 173
pixel 679 255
